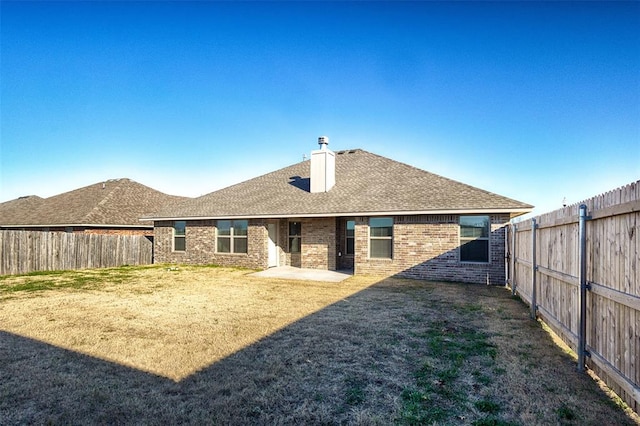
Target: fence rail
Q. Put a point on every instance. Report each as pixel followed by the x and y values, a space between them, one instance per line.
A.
pixel 589 297
pixel 27 251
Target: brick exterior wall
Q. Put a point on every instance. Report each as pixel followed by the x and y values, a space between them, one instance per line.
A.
pixel 319 243
pixel 425 247
pixel 122 231
pixel 145 232
pixel 318 246
pixel 200 246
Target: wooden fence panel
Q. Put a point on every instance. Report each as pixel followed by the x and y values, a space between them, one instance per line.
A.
pixel 613 277
pixel 557 272
pixel 522 254
pixel 27 251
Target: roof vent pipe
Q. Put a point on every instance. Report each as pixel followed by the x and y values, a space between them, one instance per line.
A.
pixel 323 141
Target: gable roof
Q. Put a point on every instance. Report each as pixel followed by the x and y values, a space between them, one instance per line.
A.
pixel 116 202
pixel 366 184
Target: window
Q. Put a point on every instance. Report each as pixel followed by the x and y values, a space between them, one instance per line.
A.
pixel 232 236
pixel 381 237
pixel 179 235
pixel 474 239
pixel 350 238
pixel 295 237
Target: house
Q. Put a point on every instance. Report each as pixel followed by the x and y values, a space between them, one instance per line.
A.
pixel 111 207
pixel 348 209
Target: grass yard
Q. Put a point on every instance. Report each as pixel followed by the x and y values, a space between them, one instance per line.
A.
pixel 205 345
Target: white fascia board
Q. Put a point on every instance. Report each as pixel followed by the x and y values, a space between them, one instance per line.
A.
pixel 343 214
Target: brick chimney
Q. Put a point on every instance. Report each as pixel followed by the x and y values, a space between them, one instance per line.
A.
pixel 323 167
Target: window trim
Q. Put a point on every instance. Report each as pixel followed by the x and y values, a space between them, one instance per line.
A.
pixel 175 236
pixel 232 237
pixel 463 240
pixel 390 238
pixel 291 237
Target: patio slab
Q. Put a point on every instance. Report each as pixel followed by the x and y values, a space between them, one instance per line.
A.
pixel 292 273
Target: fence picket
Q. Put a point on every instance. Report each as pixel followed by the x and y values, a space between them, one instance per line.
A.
pixel 612 270
pixel 27 251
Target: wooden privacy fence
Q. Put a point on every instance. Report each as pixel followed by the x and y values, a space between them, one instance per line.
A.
pixel 27 251
pixel 589 297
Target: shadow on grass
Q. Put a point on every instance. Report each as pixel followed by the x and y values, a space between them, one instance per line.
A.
pixel 362 360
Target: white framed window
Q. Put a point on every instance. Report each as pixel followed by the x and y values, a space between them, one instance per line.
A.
pixel 232 236
pixel 295 237
pixel 179 235
pixel 474 239
pixel 381 237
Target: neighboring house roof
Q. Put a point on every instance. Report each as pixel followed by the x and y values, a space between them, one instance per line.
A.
pixel 116 202
pixel 366 184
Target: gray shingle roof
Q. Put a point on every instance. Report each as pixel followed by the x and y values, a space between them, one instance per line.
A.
pixel 117 202
pixel 365 183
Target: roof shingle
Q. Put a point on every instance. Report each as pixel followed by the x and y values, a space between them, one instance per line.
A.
pixel 365 183
pixel 115 202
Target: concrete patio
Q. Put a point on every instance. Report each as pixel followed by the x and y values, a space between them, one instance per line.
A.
pixel 292 273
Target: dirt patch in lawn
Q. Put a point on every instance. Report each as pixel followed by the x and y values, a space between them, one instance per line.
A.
pixel 215 345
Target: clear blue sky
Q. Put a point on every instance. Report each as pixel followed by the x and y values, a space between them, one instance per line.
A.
pixel 534 101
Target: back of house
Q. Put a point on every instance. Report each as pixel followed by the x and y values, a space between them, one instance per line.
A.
pixel 349 209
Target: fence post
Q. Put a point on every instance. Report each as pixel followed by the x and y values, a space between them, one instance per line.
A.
pixel 507 256
pixel 534 268
pixel 513 259
pixel 582 277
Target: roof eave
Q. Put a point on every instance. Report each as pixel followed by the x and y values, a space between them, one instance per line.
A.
pixel 513 212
